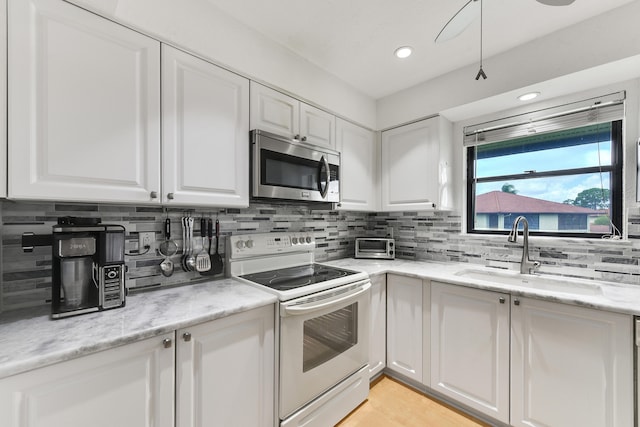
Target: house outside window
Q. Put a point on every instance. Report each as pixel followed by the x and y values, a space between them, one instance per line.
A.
pixel 562 172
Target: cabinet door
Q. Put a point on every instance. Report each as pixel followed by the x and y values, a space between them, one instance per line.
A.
pixel 84 106
pixel 273 111
pixel 570 366
pixel 404 326
pixel 317 127
pixel 3 97
pixel 378 323
pixel 205 119
pixel 128 386
pixel 410 163
pixel 225 371
pixel 470 347
pixel 359 167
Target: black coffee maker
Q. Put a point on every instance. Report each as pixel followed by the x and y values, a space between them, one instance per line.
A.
pixel 88 267
pixel 88 271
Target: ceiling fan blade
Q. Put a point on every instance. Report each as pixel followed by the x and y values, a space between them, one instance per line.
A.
pixel 460 21
pixel 556 2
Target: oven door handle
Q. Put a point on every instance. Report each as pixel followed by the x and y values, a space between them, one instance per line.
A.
pixel 319 305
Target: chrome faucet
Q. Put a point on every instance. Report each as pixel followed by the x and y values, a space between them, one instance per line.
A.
pixel 526 265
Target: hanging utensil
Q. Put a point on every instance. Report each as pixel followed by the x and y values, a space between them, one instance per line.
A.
pixel 216 259
pixel 210 236
pixel 191 259
pixel 185 253
pixel 167 249
pixel 203 262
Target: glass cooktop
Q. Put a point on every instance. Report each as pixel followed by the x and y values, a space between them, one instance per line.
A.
pixel 295 277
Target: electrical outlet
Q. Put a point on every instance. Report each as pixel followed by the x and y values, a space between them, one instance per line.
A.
pixel 146 239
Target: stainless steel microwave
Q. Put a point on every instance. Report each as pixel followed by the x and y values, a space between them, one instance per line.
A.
pixel 375 248
pixel 282 168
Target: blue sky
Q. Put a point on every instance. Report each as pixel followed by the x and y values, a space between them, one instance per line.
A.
pixel 552 189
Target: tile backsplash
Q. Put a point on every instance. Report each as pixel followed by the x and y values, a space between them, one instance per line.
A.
pixel 429 235
pixel 26 277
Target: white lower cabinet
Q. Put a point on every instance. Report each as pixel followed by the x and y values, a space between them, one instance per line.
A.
pixel 225 372
pixel 404 326
pixel 218 373
pixel 128 386
pixel 470 347
pixel 570 366
pixel 378 325
pixel 528 362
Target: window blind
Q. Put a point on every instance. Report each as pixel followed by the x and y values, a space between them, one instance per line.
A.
pixel 589 112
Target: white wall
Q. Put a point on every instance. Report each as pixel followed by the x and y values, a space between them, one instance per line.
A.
pixel 200 27
pixel 613 36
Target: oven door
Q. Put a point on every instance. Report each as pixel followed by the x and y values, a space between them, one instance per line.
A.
pixel 323 340
pixel 284 170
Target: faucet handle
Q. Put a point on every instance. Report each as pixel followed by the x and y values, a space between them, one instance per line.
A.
pixel 534 266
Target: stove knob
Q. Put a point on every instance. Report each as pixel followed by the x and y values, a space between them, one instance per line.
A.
pixel 249 244
pixel 240 244
pixel 308 239
pixel 294 240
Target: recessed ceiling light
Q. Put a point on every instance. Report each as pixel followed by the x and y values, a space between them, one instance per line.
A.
pixel 403 52
pixel 528 96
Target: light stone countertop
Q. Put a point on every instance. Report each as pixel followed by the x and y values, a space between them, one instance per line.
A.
pixel 615 297
pixel 29 340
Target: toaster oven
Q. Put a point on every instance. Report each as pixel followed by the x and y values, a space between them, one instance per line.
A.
pixel 381 248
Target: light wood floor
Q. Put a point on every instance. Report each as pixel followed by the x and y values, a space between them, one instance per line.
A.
pixel 393 404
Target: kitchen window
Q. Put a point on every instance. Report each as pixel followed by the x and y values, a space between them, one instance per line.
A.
pixel 562 171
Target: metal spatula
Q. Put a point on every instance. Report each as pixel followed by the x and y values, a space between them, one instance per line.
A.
pixel 203 263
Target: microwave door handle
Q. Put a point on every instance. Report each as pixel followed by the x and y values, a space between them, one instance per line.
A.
pixel 324 164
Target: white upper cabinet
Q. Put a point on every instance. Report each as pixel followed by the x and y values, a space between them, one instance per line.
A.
pixel 358 167
pixel 3 96
pixel 84 106
pixel 317 127
pixel 275 112
pixel 205 130
pixel 416 166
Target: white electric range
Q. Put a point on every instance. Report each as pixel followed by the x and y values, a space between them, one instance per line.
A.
pixel 323 325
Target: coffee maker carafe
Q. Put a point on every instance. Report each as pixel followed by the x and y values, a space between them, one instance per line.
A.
pixel 88 267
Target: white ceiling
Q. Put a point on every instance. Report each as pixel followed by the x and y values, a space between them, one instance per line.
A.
pixel 355 39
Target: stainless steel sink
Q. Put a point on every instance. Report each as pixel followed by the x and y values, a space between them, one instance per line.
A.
pixel 531 281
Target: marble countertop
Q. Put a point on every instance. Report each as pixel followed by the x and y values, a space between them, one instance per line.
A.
pixel 29 339
pixel 609 296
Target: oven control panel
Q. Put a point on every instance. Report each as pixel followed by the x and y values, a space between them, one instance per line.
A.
pixel 270 243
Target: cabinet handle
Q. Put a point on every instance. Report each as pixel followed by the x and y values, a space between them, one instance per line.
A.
pixel 502 300
pixel 516 301
pixel 304 138
pixel 297 137
pixel 166 342
pixel 186 336
pixel 170 196
pixel 154 194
